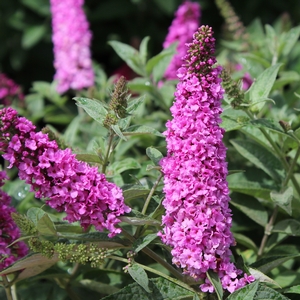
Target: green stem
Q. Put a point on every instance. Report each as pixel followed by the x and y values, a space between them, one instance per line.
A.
pixel 7 286
pixel 156 257
pixel 110 140
pixel 151 194
pixel 268 231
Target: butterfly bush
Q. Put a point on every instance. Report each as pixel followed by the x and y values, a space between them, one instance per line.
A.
pixel 69 185
pixel 198 219
pixel 8 90
pixel 185 23
pixel 71 38
pixel 9 232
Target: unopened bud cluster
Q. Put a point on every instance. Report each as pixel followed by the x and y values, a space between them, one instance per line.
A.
pixel 118 103
pixel 75 253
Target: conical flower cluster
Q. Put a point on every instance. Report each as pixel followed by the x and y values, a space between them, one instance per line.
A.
pixel 198 219
pixel 185 23
pixel 71 38
pixel 9 232
pixel 69 185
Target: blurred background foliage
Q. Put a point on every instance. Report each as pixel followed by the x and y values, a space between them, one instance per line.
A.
pixel 25 29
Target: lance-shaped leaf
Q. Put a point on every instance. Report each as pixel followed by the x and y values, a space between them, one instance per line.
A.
pixel 289 226
pixel 92 107
pixel 142 242
pixel 45 226
pixel 283 199
pixel 34 214
pixel 130 55
pixel 215 281
pixel 126 164
pixel 260 157
pixel 140 276
pixel 154 155
pixel 245 241
pixel 135 192
pixel 261 277
pixel 265 293
pixel 261 88
pixel 252 209
pixel 266 264
pixel 247 292
pixel 141 129
pixel 161 288
pixel 92 158
pixel 239 183
pixel 35 262
pixel 143 49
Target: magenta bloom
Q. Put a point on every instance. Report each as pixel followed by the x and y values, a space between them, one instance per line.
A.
pixel 71 38
pixel 185 23
pixel 8 90
pixel 70 185
pixel 197 221
pixel 9 231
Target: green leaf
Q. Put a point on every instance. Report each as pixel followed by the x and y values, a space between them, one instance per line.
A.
pixel 265 265
pixel 161 288
pixel 215 281
pixel 140 84
pixel 290 40
pixel 141 221
pixel 71 132
pixel 233 119
pixel 124 165
pixel 35 262
pixel 255 58
pixel 261 277
pixel 261 88
pixel 245 241
pixel 270 125
pixel 100 238
pixel 154 155
pixel 35 214
pixel 284 199
pixel 118 132
pixel 260 157
pixel 141 129
pixel 92 107
pixel 130 55
pixel 240 184
pixel 252 208
pixel 286 78
pixel 142 242
pixel 134 104
pixel 33 35
pixel 135 192
pixel 41 7
pixel 271 39
pixel 265 293
pixel 289 226
pixel 293 289
pixel 91 158
pixel 245 293
pixel 140 276
pixel 143 49
pixel 45 226
pixel 152 62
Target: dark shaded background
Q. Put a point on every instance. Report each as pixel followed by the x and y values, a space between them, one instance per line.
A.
pixel 25 29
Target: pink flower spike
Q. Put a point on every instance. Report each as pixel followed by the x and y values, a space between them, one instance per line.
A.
pixel 185 23
pixel 71 38
pixel 68 184
pixel 197 220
